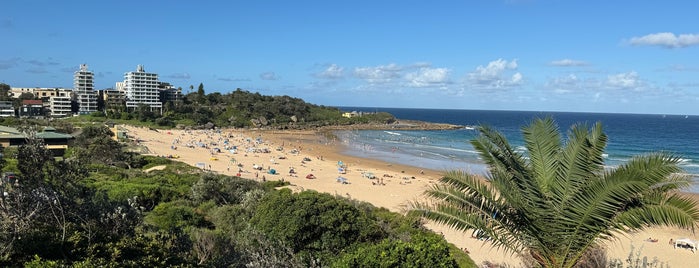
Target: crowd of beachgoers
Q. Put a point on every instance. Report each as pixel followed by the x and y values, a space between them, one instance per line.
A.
pixel 309 160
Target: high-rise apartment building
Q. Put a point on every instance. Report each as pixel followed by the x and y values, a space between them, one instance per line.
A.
pixel 141 87
pixel 84 88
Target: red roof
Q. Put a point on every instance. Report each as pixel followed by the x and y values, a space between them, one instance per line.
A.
pixel 31 102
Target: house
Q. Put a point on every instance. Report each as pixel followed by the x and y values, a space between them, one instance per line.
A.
pixel 55 141
pixel 31 108
pixel 6 109
pixel 350 114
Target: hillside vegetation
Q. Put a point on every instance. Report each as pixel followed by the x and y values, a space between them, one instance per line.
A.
pixel 239 108
pixel 99 207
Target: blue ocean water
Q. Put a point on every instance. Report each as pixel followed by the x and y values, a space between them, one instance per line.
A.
pixel 628 134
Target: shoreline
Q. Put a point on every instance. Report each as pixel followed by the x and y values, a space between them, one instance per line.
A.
pixel 393 186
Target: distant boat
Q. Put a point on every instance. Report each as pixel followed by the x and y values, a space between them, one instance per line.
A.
pixel 470 128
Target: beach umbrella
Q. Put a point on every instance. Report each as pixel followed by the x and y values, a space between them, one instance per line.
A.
pixel 310 176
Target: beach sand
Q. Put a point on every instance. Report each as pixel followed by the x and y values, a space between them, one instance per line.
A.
pixel 393 186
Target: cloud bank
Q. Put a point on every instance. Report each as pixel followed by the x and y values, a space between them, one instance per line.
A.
pixel 567 63
pixel 332 72
pixel 666 40
pixel 495 75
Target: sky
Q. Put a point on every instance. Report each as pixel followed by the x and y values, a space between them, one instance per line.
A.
pixel 576 56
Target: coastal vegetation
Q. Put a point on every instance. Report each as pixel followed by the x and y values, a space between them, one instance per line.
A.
pixel 101 205
pixel 557 202
pixel 240 108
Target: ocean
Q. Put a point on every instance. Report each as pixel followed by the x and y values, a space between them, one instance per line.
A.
pixel 628 135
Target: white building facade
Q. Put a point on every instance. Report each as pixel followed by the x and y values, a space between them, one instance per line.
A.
pixel 141 87
pixel 84 88
pixel 59 104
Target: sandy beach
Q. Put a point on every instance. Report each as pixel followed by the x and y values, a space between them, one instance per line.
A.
pixel 295 154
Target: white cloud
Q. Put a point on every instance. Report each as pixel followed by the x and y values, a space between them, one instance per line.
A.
pixel 179 76
pixel 565 84
pixel 667 40
pixel 517 78
pixel 269 76
pixel 494 75
pixel 630 80
pixel 426 77
pixel 568 63
pixel 332 72
pixel 378 74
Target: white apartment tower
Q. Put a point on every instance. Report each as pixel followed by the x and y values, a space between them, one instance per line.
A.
pixel 142 88
pixel 84 88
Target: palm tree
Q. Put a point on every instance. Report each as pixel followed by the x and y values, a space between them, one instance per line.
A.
pixel 559 201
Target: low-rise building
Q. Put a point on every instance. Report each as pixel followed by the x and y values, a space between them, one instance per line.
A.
pixel 57 102
pixel 32 108
pixel 114 100
pixel 6 109
pixel 169 93
pixel 55 141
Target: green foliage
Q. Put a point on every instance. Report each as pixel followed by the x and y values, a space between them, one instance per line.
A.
pixel 423 250
pixel 238 108
pixel 95 145
pixel 5 92
pixel 38 262
pixel 558 202
pixel 72 213
pixel 175 215
pixel 222 189
pixel 311 221
pixel 149 189
pixel 49 213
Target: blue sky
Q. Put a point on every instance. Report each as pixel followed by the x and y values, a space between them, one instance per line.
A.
pixel 579 56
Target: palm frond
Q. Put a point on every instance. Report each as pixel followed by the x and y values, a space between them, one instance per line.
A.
pixel 580 160
pixel 674 210
pixel 543 142
pixel 561 200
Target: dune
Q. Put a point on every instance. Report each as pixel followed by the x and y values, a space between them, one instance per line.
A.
pixel 382 184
